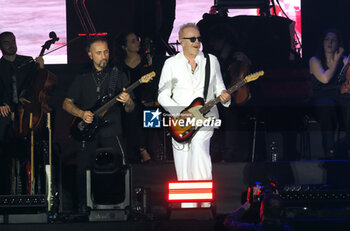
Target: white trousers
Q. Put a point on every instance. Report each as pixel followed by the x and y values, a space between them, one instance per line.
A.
pixel 192 160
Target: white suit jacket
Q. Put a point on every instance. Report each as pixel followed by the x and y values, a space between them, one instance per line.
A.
pixel 179 86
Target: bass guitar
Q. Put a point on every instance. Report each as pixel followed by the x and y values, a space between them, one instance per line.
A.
pixel 82 131
pixel 182 131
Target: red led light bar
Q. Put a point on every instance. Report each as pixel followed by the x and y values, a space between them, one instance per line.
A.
pixel 92 34
pixel 185 191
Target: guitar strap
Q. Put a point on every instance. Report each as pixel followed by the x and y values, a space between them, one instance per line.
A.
pixel 112 82
pixel 207 76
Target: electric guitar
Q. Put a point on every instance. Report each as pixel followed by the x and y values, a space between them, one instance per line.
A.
pixel 182 131
pixel 82 131
pixel 32 176
pixel 48 166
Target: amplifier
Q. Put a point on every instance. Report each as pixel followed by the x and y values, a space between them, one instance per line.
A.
pixel 22 209
pixel 314 195
pixel 22 203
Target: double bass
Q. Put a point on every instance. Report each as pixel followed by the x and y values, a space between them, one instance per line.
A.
pixel 29 118
pixel 344 77
pixel 36 97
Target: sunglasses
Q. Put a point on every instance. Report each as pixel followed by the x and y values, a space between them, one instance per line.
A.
pixel 193 39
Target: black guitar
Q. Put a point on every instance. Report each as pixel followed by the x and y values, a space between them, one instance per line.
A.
pixel 82 131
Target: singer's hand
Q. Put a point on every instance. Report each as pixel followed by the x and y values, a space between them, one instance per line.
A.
pixel 40 61
pixel 225 96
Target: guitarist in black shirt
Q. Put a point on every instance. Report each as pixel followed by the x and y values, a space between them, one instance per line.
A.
pixel 86 90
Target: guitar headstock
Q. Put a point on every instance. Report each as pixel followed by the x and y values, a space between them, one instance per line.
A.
pixel 148 77
pixel 254 76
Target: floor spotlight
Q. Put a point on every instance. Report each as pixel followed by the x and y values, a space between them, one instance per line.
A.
pixel 191 200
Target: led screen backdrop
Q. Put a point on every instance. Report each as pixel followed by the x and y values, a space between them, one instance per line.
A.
pixel 192 11
pixel 32 21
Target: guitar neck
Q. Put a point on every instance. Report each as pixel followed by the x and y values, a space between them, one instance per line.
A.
pixel 215 101
pixel 111 102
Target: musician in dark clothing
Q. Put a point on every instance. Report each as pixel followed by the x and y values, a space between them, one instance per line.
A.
pixel 329 104
pixel 83 94
pixel 16 72
pixel 16 75
pixel 223 42
pixel 271 216
pixel 136 61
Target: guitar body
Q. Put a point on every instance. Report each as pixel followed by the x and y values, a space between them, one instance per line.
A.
pixel 182 134
pixel 184 131
pixel 82 131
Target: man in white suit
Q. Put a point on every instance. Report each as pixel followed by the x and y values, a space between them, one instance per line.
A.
pixel 182 80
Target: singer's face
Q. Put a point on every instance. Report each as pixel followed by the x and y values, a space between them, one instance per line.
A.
pixel 99 54
pixel 8 45
pixel 190 48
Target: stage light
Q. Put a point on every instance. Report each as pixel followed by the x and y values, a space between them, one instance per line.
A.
pixel 191 199
pixel 92 34
pixel 190 191
pixel 108 186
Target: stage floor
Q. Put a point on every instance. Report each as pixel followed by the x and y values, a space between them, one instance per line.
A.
pixel 231 181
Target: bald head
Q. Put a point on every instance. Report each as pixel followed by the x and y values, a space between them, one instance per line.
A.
pixel 185 26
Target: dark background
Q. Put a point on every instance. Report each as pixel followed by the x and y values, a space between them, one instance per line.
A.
pixel 141 16
pixel 283 84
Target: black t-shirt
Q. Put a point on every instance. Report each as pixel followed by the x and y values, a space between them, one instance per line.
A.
pixel 88 88
pixel 147 92
pixel 24 76
pixel 330 89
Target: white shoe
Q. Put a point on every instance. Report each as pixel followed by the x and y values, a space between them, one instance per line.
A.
pixel 189 205
pixel 205 204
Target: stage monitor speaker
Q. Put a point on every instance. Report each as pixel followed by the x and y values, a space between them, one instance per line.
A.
pixel 241 4
pixel 315 201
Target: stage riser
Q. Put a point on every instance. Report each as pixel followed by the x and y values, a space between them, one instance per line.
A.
pixel 230 180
